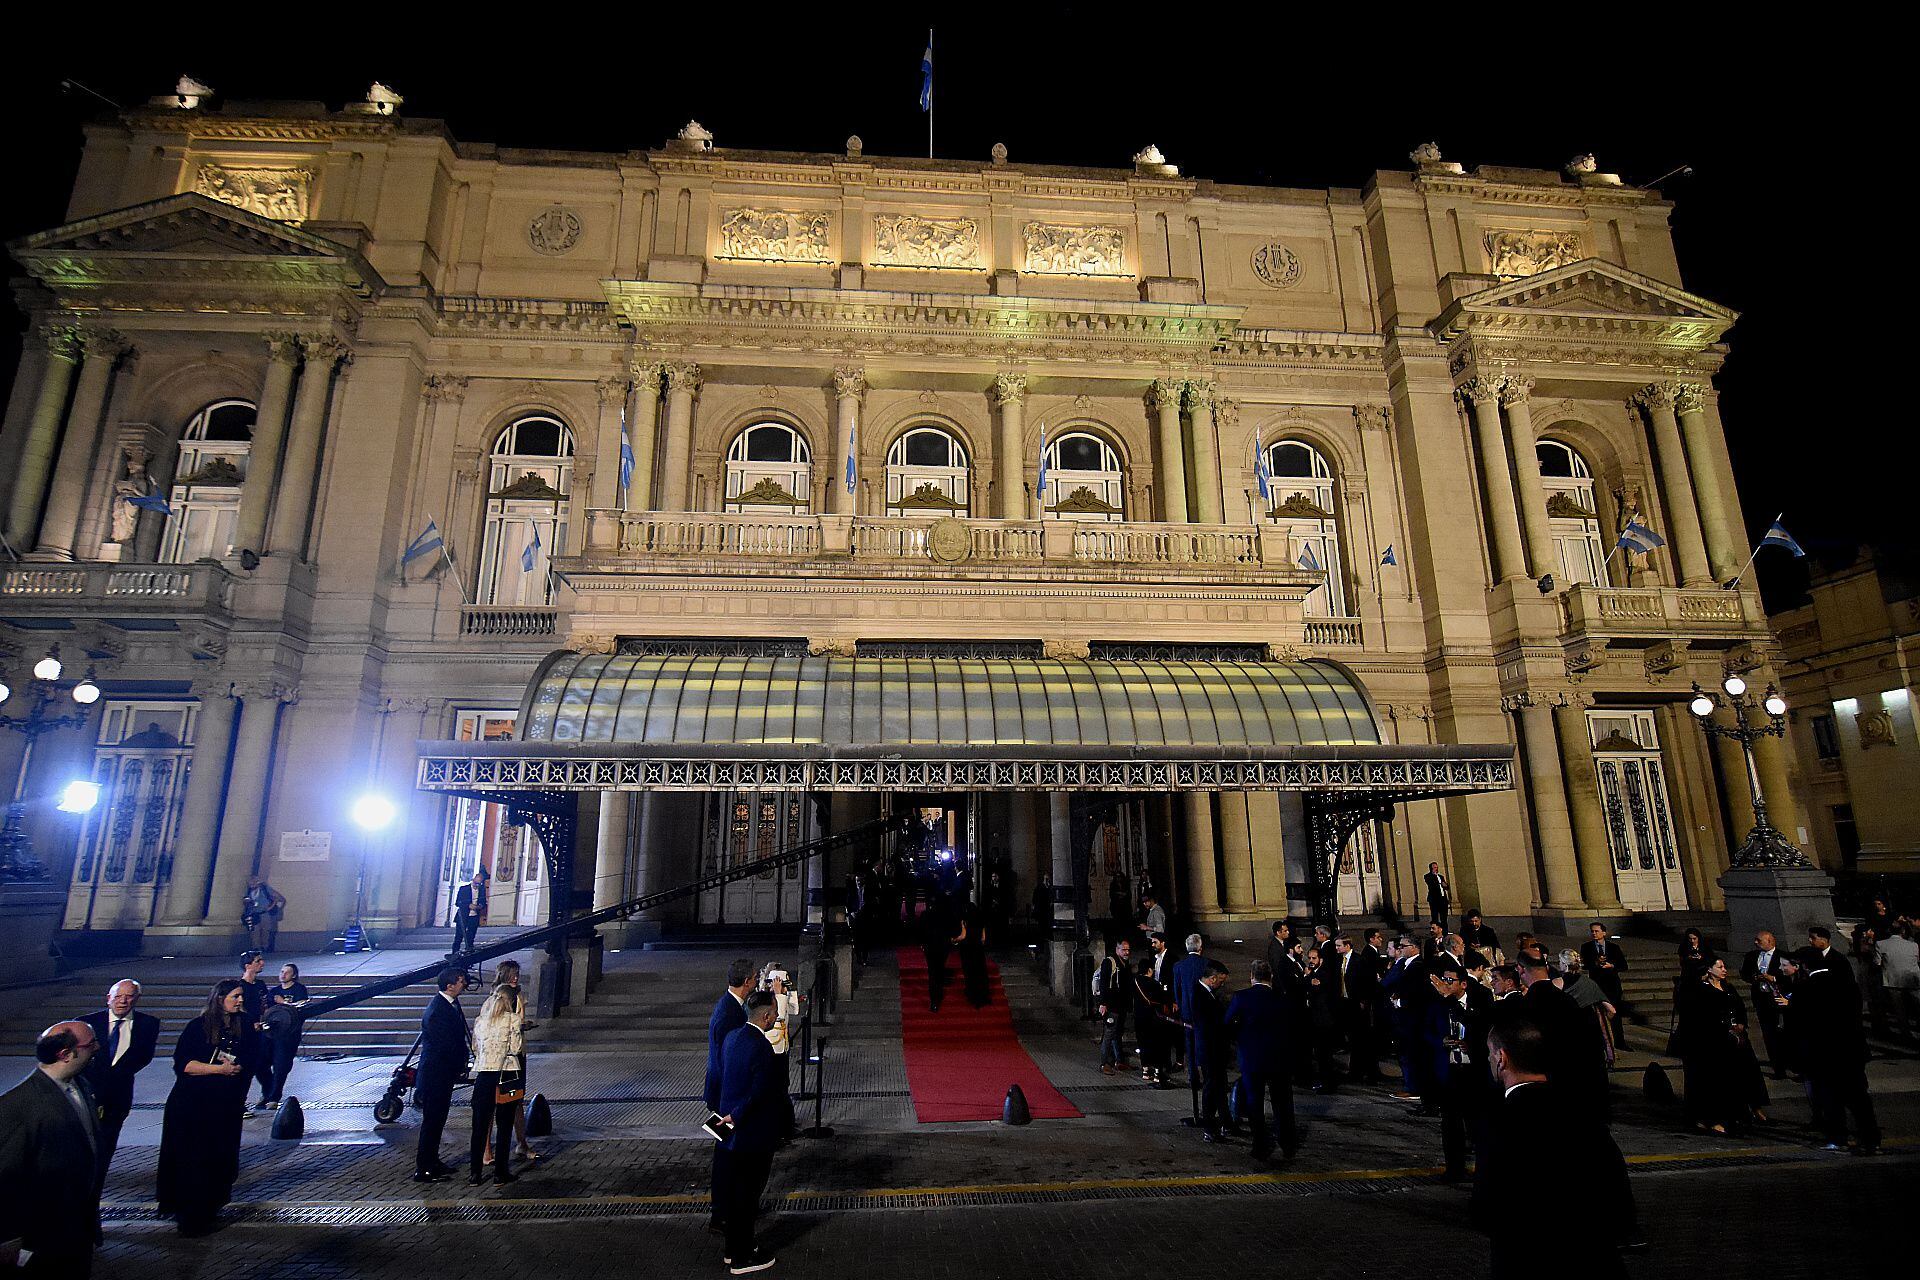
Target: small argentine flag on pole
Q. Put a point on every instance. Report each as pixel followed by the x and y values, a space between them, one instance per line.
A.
pixel 1040 486
pixel 1636 537
pixel 926 89
pixel 1387 556
pixel 853 463
pixel 428 542
pixel 1262 472
pixel 626 458
pixel 1775 536
pixel 530 553
pixel 149 502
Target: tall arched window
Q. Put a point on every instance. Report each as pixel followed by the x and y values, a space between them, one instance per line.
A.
pixel 205 493
pixel 1572 514
pixel 1084 481
pixel 928 475
pixel 769 469
pixel 1302 504
pixel 529 477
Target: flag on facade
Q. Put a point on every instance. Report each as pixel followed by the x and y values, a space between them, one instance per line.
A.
pixel 853 465
pixel 1637 537
pixel 531 552
pixel 1262 471
pixel 1306 559
pixel 428 542
pixel 1777 536
pixel 626 452
pixel 1041 487
pixel 926 76
pixel 1387 557
pixel 154 502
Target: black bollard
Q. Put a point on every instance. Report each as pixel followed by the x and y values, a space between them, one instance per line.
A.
pixel 539 1117
pixel 1656 1087
pixel 288 1122
pixel 1016 1111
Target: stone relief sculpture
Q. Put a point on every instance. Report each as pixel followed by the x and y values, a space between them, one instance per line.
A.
pixel 1526 253
pixel 554 231
pixel 280 194
pixel 774 235
pixel 908 240
pixel 1074 251
pixel 1276 265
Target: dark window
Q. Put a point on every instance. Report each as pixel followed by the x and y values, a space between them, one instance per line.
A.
pixel 1826 738
pixel 539 437
pixel 1845 833
pixel 928 449
pixel 769 444
pixel 1080 453
pixel 1292 460
pixel 230 422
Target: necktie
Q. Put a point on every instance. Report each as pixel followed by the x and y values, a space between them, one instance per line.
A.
pixel 113 1041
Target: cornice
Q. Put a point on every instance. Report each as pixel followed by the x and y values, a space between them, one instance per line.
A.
pixel 527 317
pixel 1252 347
pixel 214 127
pixel 1529 195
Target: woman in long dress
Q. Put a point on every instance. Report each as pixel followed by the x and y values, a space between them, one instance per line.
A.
pixel 200 1133
pixel 1724 1088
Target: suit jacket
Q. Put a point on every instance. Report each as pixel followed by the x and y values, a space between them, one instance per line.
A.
pixel 48 1167
pixel 729 1015
pixel 1436 887
pixel 1576 1064
pixel 443 1041
pixel 1534 1139
pixel 1260 1019
pixel 751 1090
pixel 1474 1020
pixel 1186 980
pixel 1364 974
pixel 112 1083
pixel 1590 952
pixel 1407 983
pixel 1209 1018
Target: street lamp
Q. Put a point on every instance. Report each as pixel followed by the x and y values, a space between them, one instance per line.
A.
pixel 1764 846
pixel 16 848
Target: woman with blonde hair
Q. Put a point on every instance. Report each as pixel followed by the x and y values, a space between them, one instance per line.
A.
pixel 499 1082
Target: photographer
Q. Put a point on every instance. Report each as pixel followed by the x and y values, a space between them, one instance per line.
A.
pixel 786 1015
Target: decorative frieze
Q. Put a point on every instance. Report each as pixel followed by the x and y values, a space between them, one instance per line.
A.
pixel 909 240
pixel 285 195
pixel 1516 253
pixel 775 235
pixel 1054 250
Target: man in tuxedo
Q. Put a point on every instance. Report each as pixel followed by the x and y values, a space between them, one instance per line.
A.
pixel 49 1208
pixel 443 1060
pixel 1439 894
pixel 753 1099
pixel 127 1038
pixel 1186 978
pixel 1819 954
pixel 1150 999
pixel 1536 1145
pixel 1323 943
pixel 1603 961
pixel 1760 970
pixel 729 1015
pixel 1824 1016
pixel 1258 1019
pixel 1209 1019
pixel 469 906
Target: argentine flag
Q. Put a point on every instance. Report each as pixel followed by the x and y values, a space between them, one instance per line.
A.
pixel 853 466
pixel 427 542
pixel 1306 559
pixel 1777 536
pixel 926 76
pixel 1262 472
pixel 149 502
pixel 1040 488
pixel 626 452
pixel 1387 558
pixel 531 552
pixel 1637 537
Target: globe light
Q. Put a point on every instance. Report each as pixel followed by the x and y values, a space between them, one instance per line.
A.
pixel 5 692
pixel 1734 686
pixel 373 811
pixel 86 693
pixel 1701 706
pixel 48 668
pixel 80 797
pixel 1775 704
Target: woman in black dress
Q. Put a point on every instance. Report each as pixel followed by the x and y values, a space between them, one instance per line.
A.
pixel 972 945
pixel 1724 1088
pixel 200 1135
pixel 1696 957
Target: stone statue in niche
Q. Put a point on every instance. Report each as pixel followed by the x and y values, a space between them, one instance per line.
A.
pixel 1075 251
pixel 133 484
pixel 1526 253
pixel 908 240
pixel 774 235
pixel 280 194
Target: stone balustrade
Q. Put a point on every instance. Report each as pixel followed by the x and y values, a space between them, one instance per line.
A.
pixel 507 620
pixel 78 589
pixel 1657 611
pixel 1333 633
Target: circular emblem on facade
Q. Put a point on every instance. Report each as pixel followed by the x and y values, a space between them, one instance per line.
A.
pixel 554 232
pixel 948 540
pixel 1276 265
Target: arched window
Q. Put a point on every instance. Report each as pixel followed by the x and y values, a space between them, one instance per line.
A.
pixel 205 493
pixel 1084 481
pixel 927 475
pixel 529 476
pixel 1301 488
pixel 769 469
pixel 1572 514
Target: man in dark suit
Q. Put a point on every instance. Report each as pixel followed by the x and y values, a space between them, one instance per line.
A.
pixel 753 1099
pixel 1406 991
pixel 1537 1146
pixel 49 1207
pixel 1439 895
pixel 1603 961
pixel 1576 1061
pixel 1455 1042
pixel 729 1015
pixel 1209 1019
pixel 1258 1019
pixel 127 1038
pixel 1186 977
pixel 469 905
pixel 1760 970
pixel 1824 1016
pixel 1360 984
pixel 443 1059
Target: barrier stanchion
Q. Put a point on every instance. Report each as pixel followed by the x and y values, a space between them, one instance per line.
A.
pixel 819 1130
pixel 806 1043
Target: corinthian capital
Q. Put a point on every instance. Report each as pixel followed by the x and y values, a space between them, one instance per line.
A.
pixel 1658 395
pixel 449 388
pixel 1514 389
pixel 1226 413
pixel 682 375
pixel 1690 397
pixel 1009 388
pixel 611 390
pixel 1480 389
pixel 849 381
pixel 63 340
pixel 646 372
pixel 1370 415
pixel 1165 393
pixel 1199 396
pixel 282 345
pixel 104 344
pixel 325 351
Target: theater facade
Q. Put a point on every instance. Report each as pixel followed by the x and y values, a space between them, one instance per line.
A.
pixel 763 492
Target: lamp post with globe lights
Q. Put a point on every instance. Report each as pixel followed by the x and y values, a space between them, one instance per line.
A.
pixel 1764 845
pixel 42 716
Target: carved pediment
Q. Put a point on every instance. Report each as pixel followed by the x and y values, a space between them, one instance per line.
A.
pixel 1084 501
pixel 530 487
pixel 214 471
pixel 1299 506
pixel 768 493
pixel 928 497
pixel 1585 290
pixel 1563 507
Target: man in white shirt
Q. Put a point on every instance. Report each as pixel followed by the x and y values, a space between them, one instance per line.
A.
pixel 1761 972
pixel 127 1041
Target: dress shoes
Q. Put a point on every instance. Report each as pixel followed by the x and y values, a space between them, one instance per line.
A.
pixel 475 1180
pixel 501 1177
pixel 425 1175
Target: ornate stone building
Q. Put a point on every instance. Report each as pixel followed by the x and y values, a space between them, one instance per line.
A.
pixel 873 408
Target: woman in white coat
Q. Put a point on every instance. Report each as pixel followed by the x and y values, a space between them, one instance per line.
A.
pixel 499 1082
pixel 786 1023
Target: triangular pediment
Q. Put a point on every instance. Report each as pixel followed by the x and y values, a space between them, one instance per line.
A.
pixel 1589 289
pixel 189 224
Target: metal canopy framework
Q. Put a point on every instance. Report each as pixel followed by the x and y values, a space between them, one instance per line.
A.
pixel 705 723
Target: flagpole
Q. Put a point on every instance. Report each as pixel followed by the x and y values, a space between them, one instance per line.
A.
pixel 452 568
pixel 1733 583
pixel 929 94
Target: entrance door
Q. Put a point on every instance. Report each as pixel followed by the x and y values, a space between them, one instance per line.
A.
pixel 141 760
pixel 478 834
pixel 1117 870
pixel 743 826
pixel 1633 796
pixel 1358 887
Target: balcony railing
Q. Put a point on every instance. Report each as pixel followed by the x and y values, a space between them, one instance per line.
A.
pixel 1328 633
pixel 1655 611
pixel 119 588
pixel 507 620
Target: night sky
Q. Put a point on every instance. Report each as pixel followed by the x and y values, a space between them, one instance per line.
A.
pixel 1778 219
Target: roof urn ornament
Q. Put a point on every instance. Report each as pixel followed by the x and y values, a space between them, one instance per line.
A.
pixel 1151 159
pixel 1583 164
pixel 383 100
pixel 1426 153
pixel 190 93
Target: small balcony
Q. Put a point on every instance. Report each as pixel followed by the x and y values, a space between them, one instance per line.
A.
pixel 508 621
pixel 134 597
pixel 1648 615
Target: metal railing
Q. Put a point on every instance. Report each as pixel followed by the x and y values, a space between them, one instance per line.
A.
pixel 507 620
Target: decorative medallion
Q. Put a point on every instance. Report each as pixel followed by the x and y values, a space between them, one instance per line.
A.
pixel 908 240
pixel 281 194
pixel 1075 251
pixel 1525 253
pixel 1299 506
pixel 948 540
pixel 768 493
pixel 554 231
pixel 774 235
pixel 1084 501
pixel 1276 265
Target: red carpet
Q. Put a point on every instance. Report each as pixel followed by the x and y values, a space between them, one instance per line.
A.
pixel 961 1059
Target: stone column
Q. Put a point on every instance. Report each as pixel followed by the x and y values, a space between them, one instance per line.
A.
pixel 79 443
pixel 1163 397
pixel 43 433
pixel 1724 551
pixel 269 435
pixel 610 863
pixel 849 384
pixel 1205 502
pixel 1226 424
pixel 1526 468
pixel 643 430
pixel 1547 786
pixel 240 836
pixel 1583 799
pixel 683 384
pixel 1010 390
pixel 1269 853
pixel 1676 486
pixel 1236 854
pixel 293 496
pixel 1203 888
pixel 1503 520
pixel 604 494
pixel 185 903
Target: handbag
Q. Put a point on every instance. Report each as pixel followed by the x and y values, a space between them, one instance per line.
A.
pixel 510 1088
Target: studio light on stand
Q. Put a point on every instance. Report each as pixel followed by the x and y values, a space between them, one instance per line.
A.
pixel 372 813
